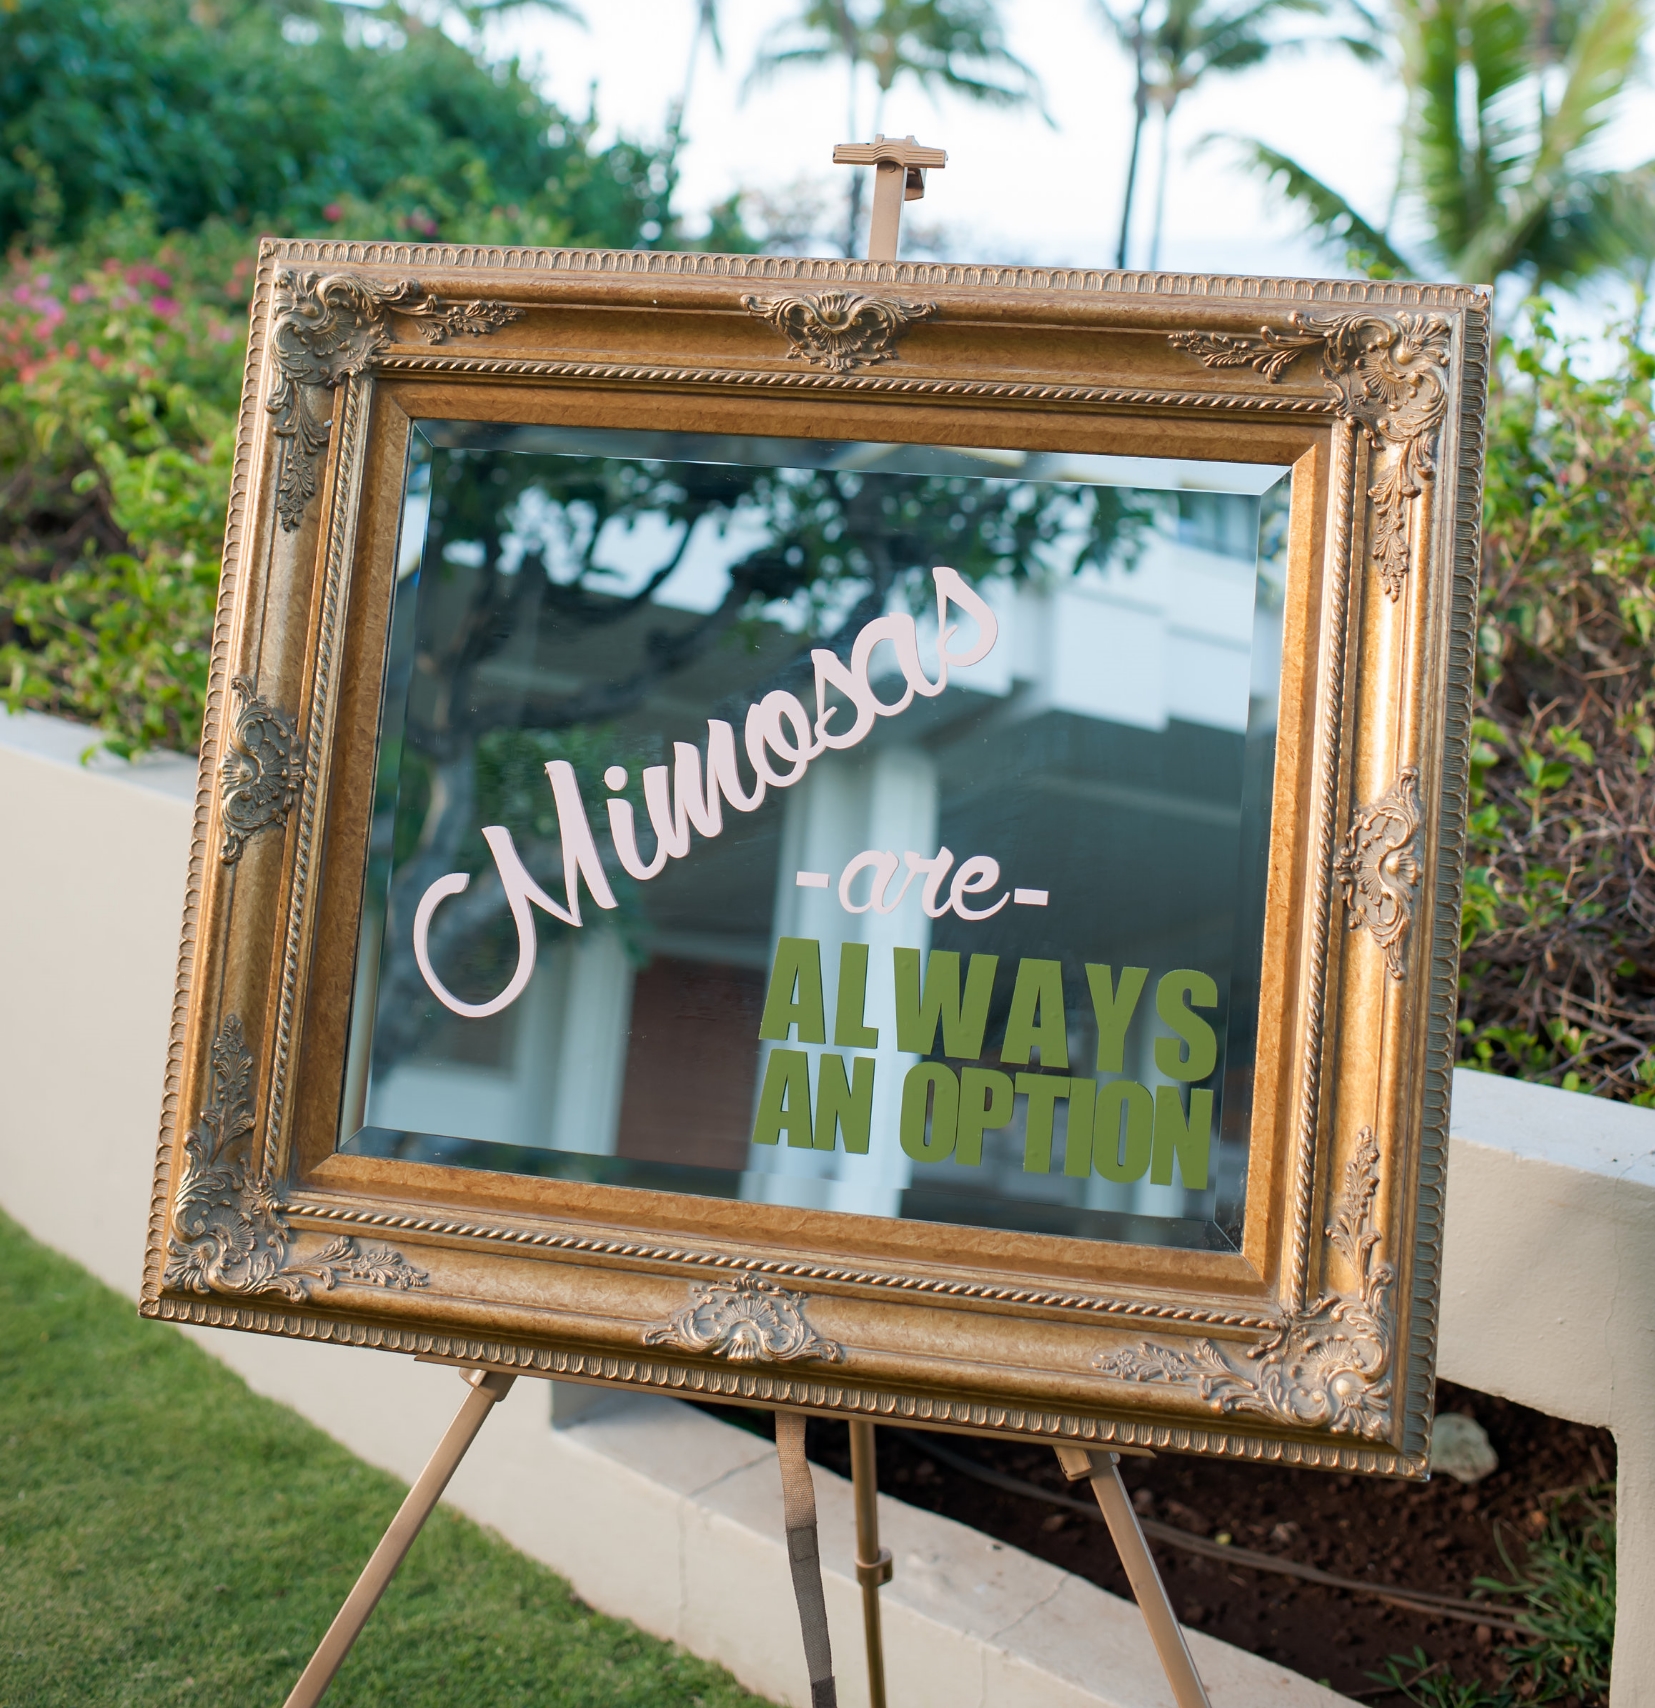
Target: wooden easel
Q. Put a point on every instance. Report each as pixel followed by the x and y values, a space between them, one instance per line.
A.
pixel 900 166
pixel 873 1563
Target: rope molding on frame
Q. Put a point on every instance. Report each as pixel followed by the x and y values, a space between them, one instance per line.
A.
pixel 816 379
pixel 340 541
pixel 793 1269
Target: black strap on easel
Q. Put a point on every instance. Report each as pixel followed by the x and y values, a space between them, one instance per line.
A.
pixel 804 1556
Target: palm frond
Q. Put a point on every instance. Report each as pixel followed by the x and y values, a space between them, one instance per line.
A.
pixel 1326 213
pixel 1596 222
pixel 767 64
pixel 1461 59
pixel 1601 59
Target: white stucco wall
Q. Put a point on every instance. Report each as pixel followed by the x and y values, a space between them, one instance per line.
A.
pixel 641 1502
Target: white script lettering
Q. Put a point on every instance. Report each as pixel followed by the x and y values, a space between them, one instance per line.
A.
pixel 977 874
pixel 778 733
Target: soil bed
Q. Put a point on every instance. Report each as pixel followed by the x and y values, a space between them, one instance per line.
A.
pixel 1438 1536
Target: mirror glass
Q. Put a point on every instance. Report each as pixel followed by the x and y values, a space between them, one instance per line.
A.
pixel 861 827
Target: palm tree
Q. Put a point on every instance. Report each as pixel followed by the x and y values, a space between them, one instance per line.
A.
pixel 1505 100
pixel 1174 45
pixel 947 44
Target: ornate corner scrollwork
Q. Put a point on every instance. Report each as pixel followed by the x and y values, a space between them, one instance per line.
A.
pixel 1379 867
pixel 328 328
pixel 229 1233
pixel 260 774
pixel 1386 374
pixel 748 1321
pixel 839 330
pixel 1328 1367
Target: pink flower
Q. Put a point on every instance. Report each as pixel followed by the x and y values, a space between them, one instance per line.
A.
pixel 80 293
pixel 166 307
pixel 333 213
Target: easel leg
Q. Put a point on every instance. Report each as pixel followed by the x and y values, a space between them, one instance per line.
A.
pixel 1102 1471
pixel 873 1563
pixel 804 1556
pixel 489 1388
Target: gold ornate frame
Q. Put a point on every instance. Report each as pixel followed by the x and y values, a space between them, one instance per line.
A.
pixel 1315 1344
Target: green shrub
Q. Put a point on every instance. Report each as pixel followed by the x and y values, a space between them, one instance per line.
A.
pixel 118 382
pixel 1558 974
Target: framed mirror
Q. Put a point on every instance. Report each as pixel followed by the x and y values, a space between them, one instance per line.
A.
pixel 857 835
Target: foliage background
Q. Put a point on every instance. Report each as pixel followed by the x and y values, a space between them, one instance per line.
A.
pixel 129 201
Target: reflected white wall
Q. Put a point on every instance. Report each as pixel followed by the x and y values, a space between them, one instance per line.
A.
pixel 560 1086
pixel 571 1044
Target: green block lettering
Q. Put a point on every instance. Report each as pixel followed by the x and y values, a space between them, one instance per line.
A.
pixel 1114 1005
pixel 784 1100
pixel 918 1011
pixel 1077 1137
pixel 850 1032
pixel 798 969
pixel 1042 1091
pixel 844 1105
pixel 1193 1057
pixel 1037 1018
pixel 929 1082
pixel 985 1101
pixel 1121 1150
pixel 1189 1140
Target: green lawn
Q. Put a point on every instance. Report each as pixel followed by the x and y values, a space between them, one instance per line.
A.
pixel 168 1537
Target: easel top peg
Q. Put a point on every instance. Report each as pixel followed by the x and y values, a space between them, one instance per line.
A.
pixel 889 151
pixel 899 160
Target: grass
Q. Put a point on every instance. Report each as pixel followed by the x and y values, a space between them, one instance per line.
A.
pixel 168 1537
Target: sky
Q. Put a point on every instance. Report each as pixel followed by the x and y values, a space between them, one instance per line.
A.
pixel 1016 189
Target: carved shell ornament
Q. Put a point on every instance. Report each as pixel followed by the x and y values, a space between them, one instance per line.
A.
pixel 229 1235
pixel 748 1321
pixel 1379 867
pixel 1328 1367
pixel 328 328
pixel 1386 374
pixel 839 330
pixel 260 775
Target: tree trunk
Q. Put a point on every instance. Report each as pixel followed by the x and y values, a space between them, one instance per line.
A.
pixel 1160 192
pixel 1140 110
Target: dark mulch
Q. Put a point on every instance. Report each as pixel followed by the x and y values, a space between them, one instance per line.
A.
pixel 1438 1536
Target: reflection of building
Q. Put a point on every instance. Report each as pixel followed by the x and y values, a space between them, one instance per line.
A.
pixel 1109 752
